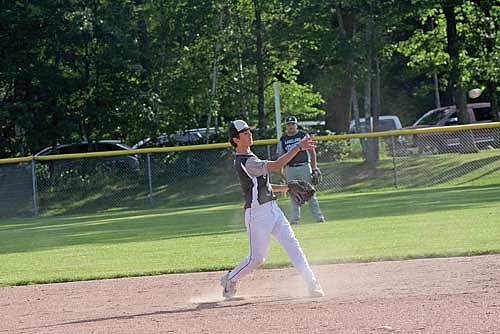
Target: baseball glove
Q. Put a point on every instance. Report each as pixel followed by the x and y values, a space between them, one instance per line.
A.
pixel 316 176
pixel 300 191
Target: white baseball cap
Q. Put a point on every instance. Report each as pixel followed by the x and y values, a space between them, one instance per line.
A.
pixel 237 127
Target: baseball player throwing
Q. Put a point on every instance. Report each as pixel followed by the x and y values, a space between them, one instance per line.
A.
pixel 263 217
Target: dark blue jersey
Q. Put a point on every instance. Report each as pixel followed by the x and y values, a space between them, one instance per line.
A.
pixel 288 142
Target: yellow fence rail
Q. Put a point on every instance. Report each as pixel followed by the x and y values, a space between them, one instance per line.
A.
pixel 403 159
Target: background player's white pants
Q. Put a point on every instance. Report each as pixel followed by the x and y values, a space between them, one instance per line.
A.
pixel 262 221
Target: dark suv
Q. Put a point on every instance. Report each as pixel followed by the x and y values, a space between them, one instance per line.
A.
pixel 452 141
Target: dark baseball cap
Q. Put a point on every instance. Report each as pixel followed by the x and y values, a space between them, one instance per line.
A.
pixel 291 119
pixel 237 127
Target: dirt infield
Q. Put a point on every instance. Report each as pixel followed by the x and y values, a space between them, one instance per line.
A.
pixel 445 295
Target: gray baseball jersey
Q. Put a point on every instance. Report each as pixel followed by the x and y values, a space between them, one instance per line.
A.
pixel 254 179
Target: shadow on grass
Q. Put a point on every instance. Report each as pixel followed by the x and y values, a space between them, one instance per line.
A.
pixel 197 191
pixel 119 227
pixel 410 202
pixel 460 171
pixel 149 224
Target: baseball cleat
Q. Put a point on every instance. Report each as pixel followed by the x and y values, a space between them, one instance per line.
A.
pixel 315 290
pixel 229 287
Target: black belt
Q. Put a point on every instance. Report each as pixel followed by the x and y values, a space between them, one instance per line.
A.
pixel 297 165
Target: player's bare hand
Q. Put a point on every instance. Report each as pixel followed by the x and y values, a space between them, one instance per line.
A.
pixel 307 143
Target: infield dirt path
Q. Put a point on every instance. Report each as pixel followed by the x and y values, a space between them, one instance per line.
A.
pixel 444 295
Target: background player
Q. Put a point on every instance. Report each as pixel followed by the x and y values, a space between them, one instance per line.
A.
pixel 299 167
pixel 263 217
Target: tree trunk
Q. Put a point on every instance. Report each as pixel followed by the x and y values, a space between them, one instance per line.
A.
pixel 378 99
pixel 355 109
pixel 454 52
pixel 371 100
pixel 368 97
pixel 213 92
pixel 339 101
pixel 492 91
pixel 259 63
pixel 466 137
pixel 491 86
pixel 436 90
pixel 338 109
pixel 367 87
pixel 376 106
pixel 371 115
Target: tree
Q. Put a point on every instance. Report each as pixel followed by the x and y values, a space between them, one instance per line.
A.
pixel 485 69
pixel 454 50
pixel 87 70
pixel 457 40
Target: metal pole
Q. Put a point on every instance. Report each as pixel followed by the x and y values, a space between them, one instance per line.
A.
pixel 277 109
pixel 35 191
pixel 395 170
pixel 150 181
pixel 436 91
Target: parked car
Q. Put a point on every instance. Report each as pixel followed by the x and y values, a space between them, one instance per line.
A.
pixel 396 146
pixel 120 163
pixel 453 141
pixel 386 123
pixel 477 112
pixel 189 137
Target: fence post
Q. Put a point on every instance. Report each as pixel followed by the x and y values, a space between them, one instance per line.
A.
pixel 150 181
pixel 394 164
pixel 34 184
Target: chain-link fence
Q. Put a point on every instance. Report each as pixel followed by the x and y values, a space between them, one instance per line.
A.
pixel 193 176
pixel 17 189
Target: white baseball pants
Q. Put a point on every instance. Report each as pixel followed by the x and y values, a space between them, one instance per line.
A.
pixel 261 222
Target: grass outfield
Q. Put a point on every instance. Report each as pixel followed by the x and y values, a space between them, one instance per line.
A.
pixel 360 227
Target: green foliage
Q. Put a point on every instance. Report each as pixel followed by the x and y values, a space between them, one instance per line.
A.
pixel 426 50
pixel 426 47
pixel 77 70
pixel 336 150
pixel 296 99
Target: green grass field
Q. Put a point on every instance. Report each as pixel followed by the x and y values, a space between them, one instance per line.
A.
pixel 370 226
